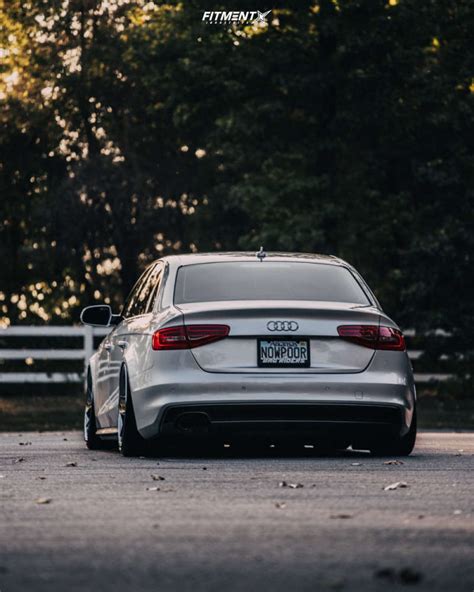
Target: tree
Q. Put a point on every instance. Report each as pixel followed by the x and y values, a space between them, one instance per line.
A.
pixel 133 129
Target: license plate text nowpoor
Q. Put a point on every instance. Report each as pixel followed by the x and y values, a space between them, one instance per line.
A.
pixel 283 352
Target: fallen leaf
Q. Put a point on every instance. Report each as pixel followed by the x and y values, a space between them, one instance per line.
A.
pixel 290 485
pixel 393 462
pixel 341 516
pixel 280 505
pixel 43 500
pixel 71 464
pixel 153 489
pixel 157 477
pixel 397 485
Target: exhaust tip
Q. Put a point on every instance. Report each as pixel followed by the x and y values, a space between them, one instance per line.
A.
pixel 193 422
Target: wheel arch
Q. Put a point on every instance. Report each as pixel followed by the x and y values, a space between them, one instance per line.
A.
pixel 129 362
pixel 92 370
pixel 124 366
pixel 135 396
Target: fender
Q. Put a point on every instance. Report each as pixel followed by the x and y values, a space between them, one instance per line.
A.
pixel 93 362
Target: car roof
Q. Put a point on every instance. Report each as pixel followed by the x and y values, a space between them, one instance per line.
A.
pixel 194 258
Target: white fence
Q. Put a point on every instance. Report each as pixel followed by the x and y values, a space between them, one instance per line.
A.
pixel 88 334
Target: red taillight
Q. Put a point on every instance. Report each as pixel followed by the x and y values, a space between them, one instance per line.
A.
pixel 170 338
pixel 373 336
pixel 390 338
pixel 202 334
pixel 188 336
pixel 361 334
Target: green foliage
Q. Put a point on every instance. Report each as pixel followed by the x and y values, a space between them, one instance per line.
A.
pixel 133 129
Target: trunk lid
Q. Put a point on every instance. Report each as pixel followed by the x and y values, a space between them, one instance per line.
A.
pixel 250 321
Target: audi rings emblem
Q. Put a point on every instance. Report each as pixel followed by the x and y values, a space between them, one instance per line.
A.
pixel 282 326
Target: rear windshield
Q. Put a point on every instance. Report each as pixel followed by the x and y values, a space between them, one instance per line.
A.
pixel 269 280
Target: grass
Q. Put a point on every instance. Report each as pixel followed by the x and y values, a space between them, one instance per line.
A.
pixel 43 412
pixel 64 412
pixel 437 413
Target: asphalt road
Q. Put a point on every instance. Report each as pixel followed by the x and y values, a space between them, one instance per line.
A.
pixel 224 523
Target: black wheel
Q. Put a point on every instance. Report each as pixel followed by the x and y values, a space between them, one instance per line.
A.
pixel 93 442
pixel 397 446
pixel 130 443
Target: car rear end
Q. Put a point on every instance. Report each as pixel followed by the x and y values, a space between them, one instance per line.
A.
pixel 284 346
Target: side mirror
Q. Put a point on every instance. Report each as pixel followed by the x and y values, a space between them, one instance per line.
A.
pixel 99 315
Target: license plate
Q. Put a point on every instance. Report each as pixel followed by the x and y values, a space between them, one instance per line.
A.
pixel 283 353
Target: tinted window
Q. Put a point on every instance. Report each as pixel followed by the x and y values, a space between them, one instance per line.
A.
pixel 154 286
pixel 274 280
pixel 141 298
pixel 132 306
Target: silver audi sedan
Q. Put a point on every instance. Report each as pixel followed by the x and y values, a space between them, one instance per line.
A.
pixel 243 346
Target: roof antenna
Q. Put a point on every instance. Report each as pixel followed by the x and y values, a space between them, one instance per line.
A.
pixel 261 254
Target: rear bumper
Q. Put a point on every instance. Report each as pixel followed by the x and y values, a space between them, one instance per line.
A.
pixel 379 399
pixel 305 420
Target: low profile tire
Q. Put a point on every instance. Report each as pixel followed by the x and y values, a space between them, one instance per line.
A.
pixel 398 446
pixel 130 443
pixel 93 442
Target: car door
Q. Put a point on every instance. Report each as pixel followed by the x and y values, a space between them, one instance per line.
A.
pixel 106 394
pixel 101 386
pixel 137 306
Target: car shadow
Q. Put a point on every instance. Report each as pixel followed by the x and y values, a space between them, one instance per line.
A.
pixel 224 450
